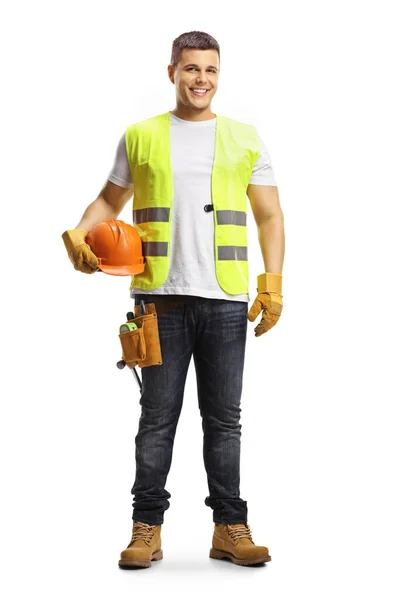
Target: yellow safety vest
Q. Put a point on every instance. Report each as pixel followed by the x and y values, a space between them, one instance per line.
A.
pixel 236 151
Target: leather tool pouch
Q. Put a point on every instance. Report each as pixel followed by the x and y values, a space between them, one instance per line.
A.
pixel 141 346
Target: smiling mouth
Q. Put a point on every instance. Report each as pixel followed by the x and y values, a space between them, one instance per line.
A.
pixel 199 94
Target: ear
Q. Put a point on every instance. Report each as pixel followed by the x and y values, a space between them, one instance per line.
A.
pixel 171 74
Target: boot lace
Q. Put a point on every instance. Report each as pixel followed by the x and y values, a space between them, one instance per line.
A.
pixel 240 531
pixel 142 531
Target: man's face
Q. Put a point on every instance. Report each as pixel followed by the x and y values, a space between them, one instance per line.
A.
pixel 196 69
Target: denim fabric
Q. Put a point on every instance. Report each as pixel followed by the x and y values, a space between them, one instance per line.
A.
pixel 214 331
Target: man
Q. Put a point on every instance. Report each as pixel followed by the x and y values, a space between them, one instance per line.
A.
pixel 192 171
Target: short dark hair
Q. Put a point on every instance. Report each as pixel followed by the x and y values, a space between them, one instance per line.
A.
pixel 197 40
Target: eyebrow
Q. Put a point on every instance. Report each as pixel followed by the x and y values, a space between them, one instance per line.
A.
pixel 194 65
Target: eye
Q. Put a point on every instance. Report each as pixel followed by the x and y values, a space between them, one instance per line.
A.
pixel 211 70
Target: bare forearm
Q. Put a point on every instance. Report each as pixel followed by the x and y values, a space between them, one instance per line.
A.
pixel 271 236
pixel 99 210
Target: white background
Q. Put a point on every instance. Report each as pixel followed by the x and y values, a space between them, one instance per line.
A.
pixel 320 441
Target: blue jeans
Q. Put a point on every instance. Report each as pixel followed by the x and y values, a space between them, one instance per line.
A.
pixel 214 331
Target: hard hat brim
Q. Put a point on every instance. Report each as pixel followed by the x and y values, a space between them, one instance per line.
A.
pixel 121 269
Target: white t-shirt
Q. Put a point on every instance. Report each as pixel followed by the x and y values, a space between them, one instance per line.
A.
pixel 192 264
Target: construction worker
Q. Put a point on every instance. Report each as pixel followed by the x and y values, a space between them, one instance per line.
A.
pixel 191 171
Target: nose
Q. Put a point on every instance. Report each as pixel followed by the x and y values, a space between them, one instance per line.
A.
pixel 202 77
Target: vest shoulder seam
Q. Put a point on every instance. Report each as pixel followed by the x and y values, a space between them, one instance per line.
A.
pixel 145 122
pixel 236 121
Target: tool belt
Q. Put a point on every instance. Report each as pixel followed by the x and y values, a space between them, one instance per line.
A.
pixel 141 346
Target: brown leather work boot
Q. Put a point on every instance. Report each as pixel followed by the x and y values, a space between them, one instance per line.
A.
pixel 145 546
pixel 235 542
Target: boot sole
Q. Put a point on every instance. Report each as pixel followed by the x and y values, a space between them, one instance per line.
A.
pixel 126 562
pixel 219 554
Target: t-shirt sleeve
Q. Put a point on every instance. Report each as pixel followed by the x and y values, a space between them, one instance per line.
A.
pixel 263 173
pixel 120 173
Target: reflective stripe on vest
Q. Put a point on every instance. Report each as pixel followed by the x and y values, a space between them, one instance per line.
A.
pixel 236 151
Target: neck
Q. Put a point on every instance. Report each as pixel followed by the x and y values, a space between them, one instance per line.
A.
pixel 189 114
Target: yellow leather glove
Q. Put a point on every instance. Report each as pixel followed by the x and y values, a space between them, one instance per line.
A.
pixel 269 300
pixel 79 252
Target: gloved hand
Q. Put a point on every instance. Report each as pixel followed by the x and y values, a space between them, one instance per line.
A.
pixel 269 300
pixel 79 252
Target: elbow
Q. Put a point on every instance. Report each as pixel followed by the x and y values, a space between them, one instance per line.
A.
pixel 271 218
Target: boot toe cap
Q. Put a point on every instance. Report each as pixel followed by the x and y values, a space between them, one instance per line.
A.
pixel 135 554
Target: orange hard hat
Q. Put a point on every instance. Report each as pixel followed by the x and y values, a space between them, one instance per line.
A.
pixel 118 247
